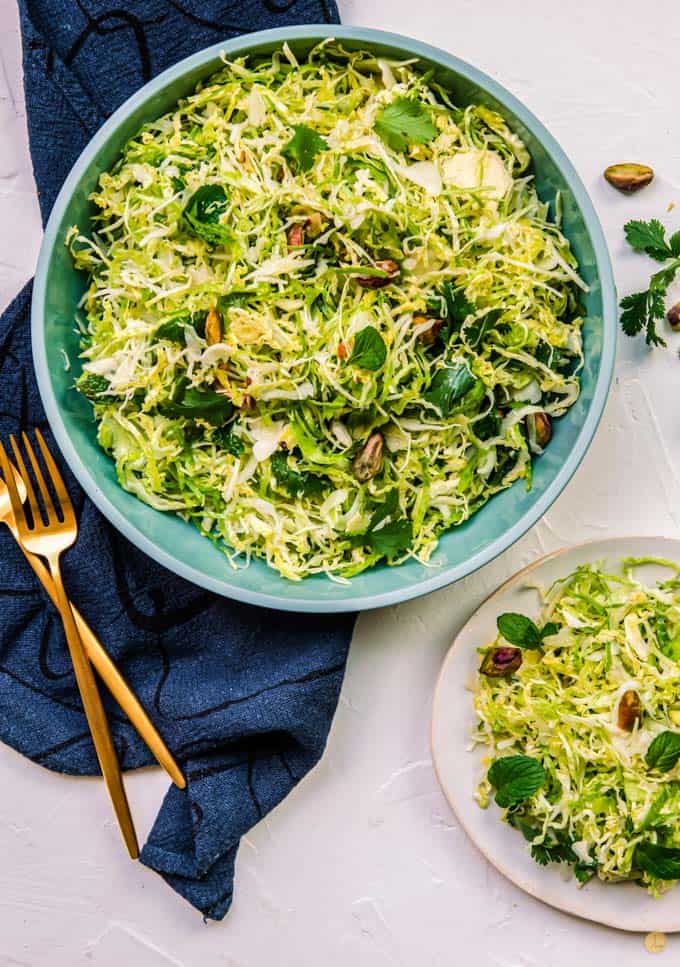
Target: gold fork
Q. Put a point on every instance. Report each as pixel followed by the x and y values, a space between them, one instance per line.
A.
pixel 49 538
pixel 110 675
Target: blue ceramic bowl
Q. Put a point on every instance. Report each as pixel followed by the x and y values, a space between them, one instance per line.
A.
pixel 176 544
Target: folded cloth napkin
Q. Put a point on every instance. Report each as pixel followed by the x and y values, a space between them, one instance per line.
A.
pixel 244 697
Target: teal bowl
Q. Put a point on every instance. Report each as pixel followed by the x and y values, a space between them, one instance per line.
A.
pixel 176 544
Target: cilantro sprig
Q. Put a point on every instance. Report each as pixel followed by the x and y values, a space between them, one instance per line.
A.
pixel 405 122
pixel 642 310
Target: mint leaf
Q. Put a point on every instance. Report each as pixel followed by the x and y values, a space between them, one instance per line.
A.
pixel 404 122
pixel 515 778
pixel 198 404
pixel 369 350
pixel 448 385
pixel 519 630
pixel 172 328
pixel 664 751
pixel 548 629
pixel 304 146
pixel 648 237
pixel 202 213
pixel 661 862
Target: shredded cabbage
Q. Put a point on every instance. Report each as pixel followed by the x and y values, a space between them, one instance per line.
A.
pixel 272 282
pixel 607 806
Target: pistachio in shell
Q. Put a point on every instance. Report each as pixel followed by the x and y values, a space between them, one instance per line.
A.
pixel 295 236
pixel 628 177
pixel 540 428
pixel 368 461
pixel 673 316
pixel 501 661
pixel 428 337
pixel 213 327
pixel 630 710
pixel 388 266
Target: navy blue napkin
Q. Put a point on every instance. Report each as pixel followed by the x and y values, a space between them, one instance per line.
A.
pixel 243 696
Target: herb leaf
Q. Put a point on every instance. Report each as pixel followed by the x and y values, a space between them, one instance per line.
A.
pixel 235 298
pixel 92 385
pixel 519 630
pixel 369 350
pixel 296 482
pixel 450 304
pixel 662 862
pixel 405 122
pixel 664 751
pixel 304 146
pixel 198 404
pixel 448 385
pixel 172 328
pixel 648 237
pixel 642 310
pixel 515 778
pixel 549 628
pixel 227 440
pixel 391 538
pixel 201 215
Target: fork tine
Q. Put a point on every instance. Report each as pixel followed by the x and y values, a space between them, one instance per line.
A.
pixel 48 503
pixel 57 480
pixel 15 499
pixel 28 483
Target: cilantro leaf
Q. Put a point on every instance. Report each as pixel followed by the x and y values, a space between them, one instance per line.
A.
pixel 405 122
pixel 296 482
pixel 202 213
pixel 515 778
pixel 674 244
pixel 304 146
pixel 664 751
pixel 478 328
pixel 648 237
pixel 91 385
pixel 227 440
pixel 448 385
pixel 392 538
pixel 369 350
pixel 450 304
pixel 661 862
pixel 387 534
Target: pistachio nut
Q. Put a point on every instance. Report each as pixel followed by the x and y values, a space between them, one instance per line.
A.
pixel 213 327
pixel 630 710
pixel 391 269
pixel 540 429
pixel 673 316
pixel 295 236
pixel 629 177
pixel 368 461
pixel 501 661
pixel 428 336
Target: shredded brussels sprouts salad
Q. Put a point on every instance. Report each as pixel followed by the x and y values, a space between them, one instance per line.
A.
pixel 327 315
pixel 582 716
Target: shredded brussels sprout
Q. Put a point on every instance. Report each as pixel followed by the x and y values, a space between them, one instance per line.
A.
pixel 327 316
pixel 591 717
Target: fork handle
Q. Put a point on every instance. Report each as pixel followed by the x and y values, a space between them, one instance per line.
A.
pixel 94 712
pixel 113 679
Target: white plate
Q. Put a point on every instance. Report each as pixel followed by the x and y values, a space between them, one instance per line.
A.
pixel 626 905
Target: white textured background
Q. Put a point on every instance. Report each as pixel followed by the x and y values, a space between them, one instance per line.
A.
pixel 363 863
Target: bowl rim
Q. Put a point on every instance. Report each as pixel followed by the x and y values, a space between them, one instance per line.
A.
pixel 446 575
